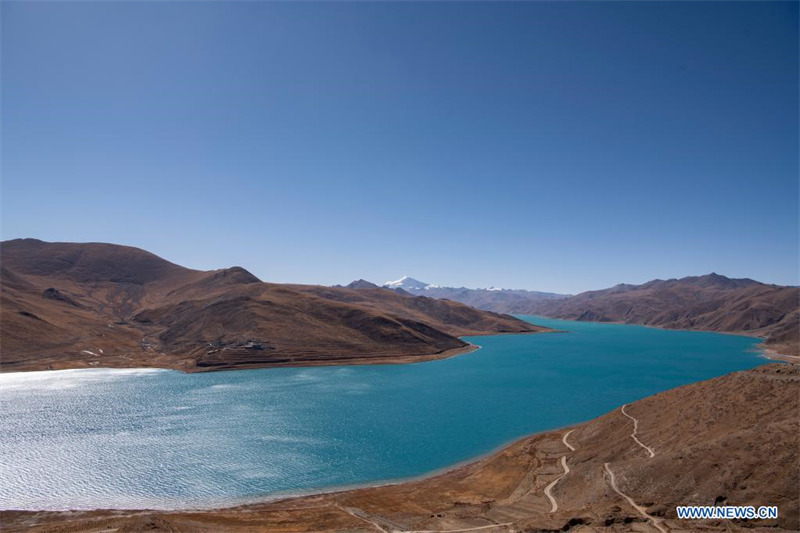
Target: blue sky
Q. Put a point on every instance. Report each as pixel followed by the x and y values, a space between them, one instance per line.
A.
pixel 540 145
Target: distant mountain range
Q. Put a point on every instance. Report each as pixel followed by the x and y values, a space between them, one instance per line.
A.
pixel 408 284
pixel 489 299
pixel 711 302
pixel 66 305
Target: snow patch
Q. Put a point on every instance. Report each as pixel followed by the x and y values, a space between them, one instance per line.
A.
pixel 407 283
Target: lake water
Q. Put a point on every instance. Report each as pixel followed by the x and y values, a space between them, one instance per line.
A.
pixel 163 439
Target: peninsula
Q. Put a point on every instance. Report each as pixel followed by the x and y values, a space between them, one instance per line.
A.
pixel 69 305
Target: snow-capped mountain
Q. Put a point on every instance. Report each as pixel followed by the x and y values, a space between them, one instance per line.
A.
pixel 407 283
pixel 490 299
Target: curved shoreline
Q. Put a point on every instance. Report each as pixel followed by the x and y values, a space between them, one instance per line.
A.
pixel 188 366
pixel 428 476
pixel 774 355
pixel 288 495
pixel 388 504
pixel 335 489
pixel 480 494
pixel 767 352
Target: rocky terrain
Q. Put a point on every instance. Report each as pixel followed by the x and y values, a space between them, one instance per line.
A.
pixel 711 302
pixel 68 305
pixel 733 440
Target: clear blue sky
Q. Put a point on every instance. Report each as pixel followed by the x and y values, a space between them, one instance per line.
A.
pixel 539 145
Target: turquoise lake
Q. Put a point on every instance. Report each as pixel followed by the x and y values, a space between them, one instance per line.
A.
pixel 162 439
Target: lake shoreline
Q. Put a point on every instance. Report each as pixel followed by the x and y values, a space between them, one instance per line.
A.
pixel 187 366
pixel 523 354
pixel 495 474
pixel 281 497
pixel 774 353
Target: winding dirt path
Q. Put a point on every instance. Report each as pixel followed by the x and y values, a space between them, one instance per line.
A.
pixel 549 488
pixel 365 517
pixel 641 510
pixel 459 530
pixel 635 429
pixel 564 440
pixel 361 515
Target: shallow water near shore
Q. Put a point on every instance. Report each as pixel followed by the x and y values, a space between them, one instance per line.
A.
pixel 159 439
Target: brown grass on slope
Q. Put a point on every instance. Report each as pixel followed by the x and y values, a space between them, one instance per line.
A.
pixel 66 305
pixel 710 302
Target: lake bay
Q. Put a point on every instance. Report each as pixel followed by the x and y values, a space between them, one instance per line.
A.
pixel 146 438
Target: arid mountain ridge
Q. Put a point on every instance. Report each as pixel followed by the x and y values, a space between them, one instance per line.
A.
pixel 711 302
pixel 67 305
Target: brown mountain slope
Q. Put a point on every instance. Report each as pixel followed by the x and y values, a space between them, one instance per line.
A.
pixel 89 262
pixel 68 305
pixel 710 302
pixel 733 440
